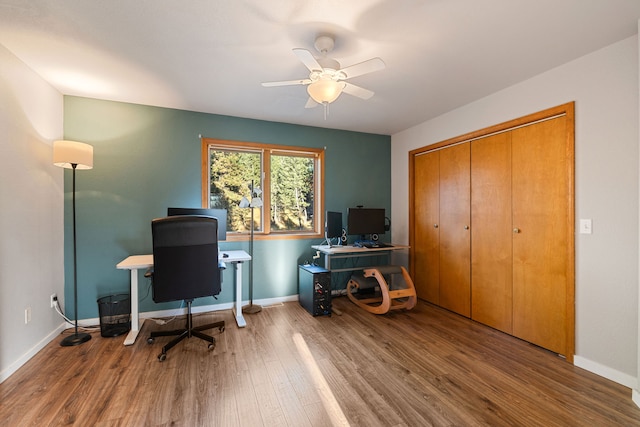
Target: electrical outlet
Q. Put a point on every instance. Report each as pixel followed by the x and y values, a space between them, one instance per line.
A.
pixel 27 315
pixel 53 300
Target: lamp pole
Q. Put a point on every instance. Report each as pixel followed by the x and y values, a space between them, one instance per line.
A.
pixel 251 308
pixel 77 338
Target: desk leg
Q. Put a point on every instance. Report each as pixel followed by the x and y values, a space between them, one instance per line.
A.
pixel 327 262
pixel 238 310
pixel 136 324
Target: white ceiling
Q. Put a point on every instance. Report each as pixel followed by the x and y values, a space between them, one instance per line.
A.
pixel 211 55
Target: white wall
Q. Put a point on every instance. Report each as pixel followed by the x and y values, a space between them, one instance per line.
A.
pixel 31 218
pixel 604 85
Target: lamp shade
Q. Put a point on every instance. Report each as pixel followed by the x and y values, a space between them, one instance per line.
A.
pixel 255 202
pixel 68 153
pixel 325 90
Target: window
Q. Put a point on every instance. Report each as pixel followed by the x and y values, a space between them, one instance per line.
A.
pixel 286 179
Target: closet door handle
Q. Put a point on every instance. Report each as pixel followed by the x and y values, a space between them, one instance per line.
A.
pixel 516 230
pixel 435 225
pixel 466 227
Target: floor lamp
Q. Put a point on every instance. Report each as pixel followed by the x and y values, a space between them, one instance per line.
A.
pixel 255 202
pixel 74 155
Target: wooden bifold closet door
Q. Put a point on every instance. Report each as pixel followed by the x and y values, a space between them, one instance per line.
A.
pixel 442 233
pixel 492 235
pixel 540 246
pixel 492 223
pixel 454 227
pixel 426 230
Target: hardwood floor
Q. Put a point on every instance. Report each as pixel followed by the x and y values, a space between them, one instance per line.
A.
pixel 418 368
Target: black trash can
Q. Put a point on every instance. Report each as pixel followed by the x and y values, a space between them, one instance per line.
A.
pixel 115 315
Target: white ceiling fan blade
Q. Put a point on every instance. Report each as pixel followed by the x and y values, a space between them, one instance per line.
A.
pixel 287 83
pixel 311 103
pixel 307 59
pixel 368 66
pixel 357 91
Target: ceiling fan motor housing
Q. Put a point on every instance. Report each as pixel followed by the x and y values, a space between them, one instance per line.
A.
pixel 324 44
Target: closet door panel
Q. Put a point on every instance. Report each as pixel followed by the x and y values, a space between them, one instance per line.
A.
pixel 540 212
pixel 491 232
pixel 426 248
pixel 455 229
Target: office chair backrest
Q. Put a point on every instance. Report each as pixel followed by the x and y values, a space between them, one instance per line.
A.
pixel 185 258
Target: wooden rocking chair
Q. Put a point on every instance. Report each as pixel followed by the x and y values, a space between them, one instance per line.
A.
pixel 368 298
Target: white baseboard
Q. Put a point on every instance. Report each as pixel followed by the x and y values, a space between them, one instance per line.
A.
pixel 635 396
pixel 11 369
pixel 215 307
pixel 606 372
pixel 196 310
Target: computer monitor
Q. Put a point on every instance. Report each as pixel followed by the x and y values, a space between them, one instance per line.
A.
pixel 365 221
pixel 333 226
pixel 220 214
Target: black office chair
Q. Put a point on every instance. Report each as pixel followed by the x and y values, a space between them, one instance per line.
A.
pixel 185 266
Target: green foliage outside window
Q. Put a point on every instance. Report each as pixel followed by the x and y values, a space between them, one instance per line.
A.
pixel 291 193
pixel 291 180
pixel 231 175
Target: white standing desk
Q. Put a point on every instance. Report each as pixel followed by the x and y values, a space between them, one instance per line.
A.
pixel 348 251
pixel 136 262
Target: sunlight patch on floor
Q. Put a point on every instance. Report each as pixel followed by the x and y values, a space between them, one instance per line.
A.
pixel 328 399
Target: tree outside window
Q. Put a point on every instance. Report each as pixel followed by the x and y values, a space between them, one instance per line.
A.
pixel 287 179
pixel 292 179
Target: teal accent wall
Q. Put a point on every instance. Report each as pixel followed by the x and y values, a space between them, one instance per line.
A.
pixel 148 158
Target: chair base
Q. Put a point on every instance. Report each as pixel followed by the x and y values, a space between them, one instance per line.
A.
pixel 187 332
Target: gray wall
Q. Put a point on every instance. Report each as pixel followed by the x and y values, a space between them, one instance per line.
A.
pixel 31 266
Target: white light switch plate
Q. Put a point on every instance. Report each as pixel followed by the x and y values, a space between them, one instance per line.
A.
pixel 585 226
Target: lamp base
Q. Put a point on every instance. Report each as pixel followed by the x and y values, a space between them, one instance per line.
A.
pixel 75 339
pixel 252 308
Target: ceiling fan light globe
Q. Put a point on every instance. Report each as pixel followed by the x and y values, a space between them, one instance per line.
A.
pixel 325 91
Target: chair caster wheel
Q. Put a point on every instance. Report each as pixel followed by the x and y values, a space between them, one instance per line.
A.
pixel 150 340
pixel 211 346
pixel 221 329
pixel 162 357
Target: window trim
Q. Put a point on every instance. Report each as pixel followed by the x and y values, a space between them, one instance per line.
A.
pixel 267 150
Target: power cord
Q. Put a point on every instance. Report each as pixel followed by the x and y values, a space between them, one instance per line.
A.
pixel 164 321
pixel 59 310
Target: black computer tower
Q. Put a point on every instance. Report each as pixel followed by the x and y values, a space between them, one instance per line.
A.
pixel 314 289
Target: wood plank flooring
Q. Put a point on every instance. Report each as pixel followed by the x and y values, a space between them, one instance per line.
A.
pixel 425 367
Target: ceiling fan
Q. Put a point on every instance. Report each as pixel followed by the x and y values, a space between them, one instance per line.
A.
pixel 326 79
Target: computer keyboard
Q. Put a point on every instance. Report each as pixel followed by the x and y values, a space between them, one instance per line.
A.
pixel 370 244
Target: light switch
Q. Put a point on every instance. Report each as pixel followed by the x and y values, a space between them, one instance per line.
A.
pixel 585 226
